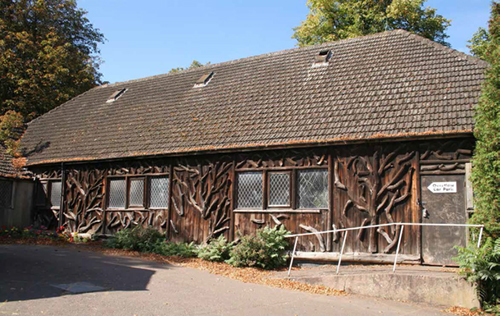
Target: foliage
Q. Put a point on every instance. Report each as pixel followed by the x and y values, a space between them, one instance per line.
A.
pixel 265 250
pixel 149 240
pixel 186 250
pixel 48 54
pixel 481 266
pixel 137 238
pixel 332 20
pixel 216 250
pixel 10 123
pixel 479 43
pixel 42 233
pixel 194 64
pixel 486 160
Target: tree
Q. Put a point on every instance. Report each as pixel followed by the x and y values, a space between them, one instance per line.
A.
pixel 332 20
pixel 48 55
pixel 194 64
pixel 479 43
pixel 486 160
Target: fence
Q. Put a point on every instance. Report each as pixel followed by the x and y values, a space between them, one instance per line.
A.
pixel 346 230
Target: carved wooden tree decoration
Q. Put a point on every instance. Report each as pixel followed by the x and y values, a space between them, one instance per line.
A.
pixel 84 200
pixel 374 186
pixel 205 188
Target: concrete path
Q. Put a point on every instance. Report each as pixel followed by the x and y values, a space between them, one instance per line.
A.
pixel 29 276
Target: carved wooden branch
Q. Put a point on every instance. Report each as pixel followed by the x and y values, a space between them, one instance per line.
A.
pixel 318 236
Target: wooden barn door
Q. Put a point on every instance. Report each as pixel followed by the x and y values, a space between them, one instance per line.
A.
pixel 443 201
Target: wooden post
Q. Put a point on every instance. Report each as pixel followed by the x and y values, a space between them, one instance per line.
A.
pixel 63 191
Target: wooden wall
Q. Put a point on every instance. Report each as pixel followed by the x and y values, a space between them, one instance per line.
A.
pixel 368 184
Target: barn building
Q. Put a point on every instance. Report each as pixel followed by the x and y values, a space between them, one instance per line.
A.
pixel 350 133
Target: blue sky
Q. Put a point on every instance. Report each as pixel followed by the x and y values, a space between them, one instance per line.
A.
pixel 150 37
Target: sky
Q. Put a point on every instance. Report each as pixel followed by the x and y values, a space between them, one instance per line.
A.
pixel 150 37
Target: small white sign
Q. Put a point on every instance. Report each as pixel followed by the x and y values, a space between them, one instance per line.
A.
pixel 443 187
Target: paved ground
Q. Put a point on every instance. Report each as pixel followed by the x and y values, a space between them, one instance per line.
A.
pixel 137 287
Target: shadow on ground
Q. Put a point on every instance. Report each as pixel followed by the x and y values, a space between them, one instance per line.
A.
pixel 30 272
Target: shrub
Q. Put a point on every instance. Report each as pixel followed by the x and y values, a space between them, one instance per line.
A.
pixel 137 238
pixel 175 249
pixel 216 250
pixel 265 250
pixel 481 266
pixel 149 240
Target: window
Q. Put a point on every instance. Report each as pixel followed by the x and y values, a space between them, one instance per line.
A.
pixel 323 56
pixel 279 189
pixel 250 191
pixel 117 94
pixel 136 193
pixel 158 197
pixel 55 194
pixel 312 188
pixel 204 80
pixel 287 189
pixel 5 193
pixel 117 189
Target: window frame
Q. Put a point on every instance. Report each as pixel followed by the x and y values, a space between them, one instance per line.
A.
pixel 48 193
pixel 128 186
pixel 108 192
pixel 146 191
pixel 236 189
pixel 296 189
pixel 290 189
pixel 294 200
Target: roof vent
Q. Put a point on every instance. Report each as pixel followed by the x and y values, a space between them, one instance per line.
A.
pixel 116 95
pixel 204 80
pixel 322 58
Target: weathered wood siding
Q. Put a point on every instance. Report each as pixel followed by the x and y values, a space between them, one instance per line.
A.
pixel 368 184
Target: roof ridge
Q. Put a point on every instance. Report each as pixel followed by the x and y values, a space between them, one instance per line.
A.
pixel 280 52
pixel 444 48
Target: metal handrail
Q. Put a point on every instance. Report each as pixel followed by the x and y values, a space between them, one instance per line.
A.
pixel 346 230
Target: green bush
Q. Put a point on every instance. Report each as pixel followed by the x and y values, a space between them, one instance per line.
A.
pixel 175 249
pixel 216 250
pixel 151 241
pixel 137 238
pixel 265 250
pixel 481 266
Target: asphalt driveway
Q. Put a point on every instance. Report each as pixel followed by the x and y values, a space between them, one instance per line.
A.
pixel 41 280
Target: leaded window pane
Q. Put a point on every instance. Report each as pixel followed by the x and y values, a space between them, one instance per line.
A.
pixel 159 192
pixel 279 189
pixel 117 189
pixel 312 188
pixel 136 192
pixel 5 193
pixel 250 189
pixel 55 193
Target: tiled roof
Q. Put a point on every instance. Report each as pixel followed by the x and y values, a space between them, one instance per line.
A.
pixel 6 167
pixel 385 85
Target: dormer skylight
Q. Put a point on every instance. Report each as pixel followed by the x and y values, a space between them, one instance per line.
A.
pixel 322 58
pixel 117 94
pixel 204 80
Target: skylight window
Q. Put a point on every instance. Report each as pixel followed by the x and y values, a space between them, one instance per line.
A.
pixel 322 58
pixel 204 80
pixel 117 94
